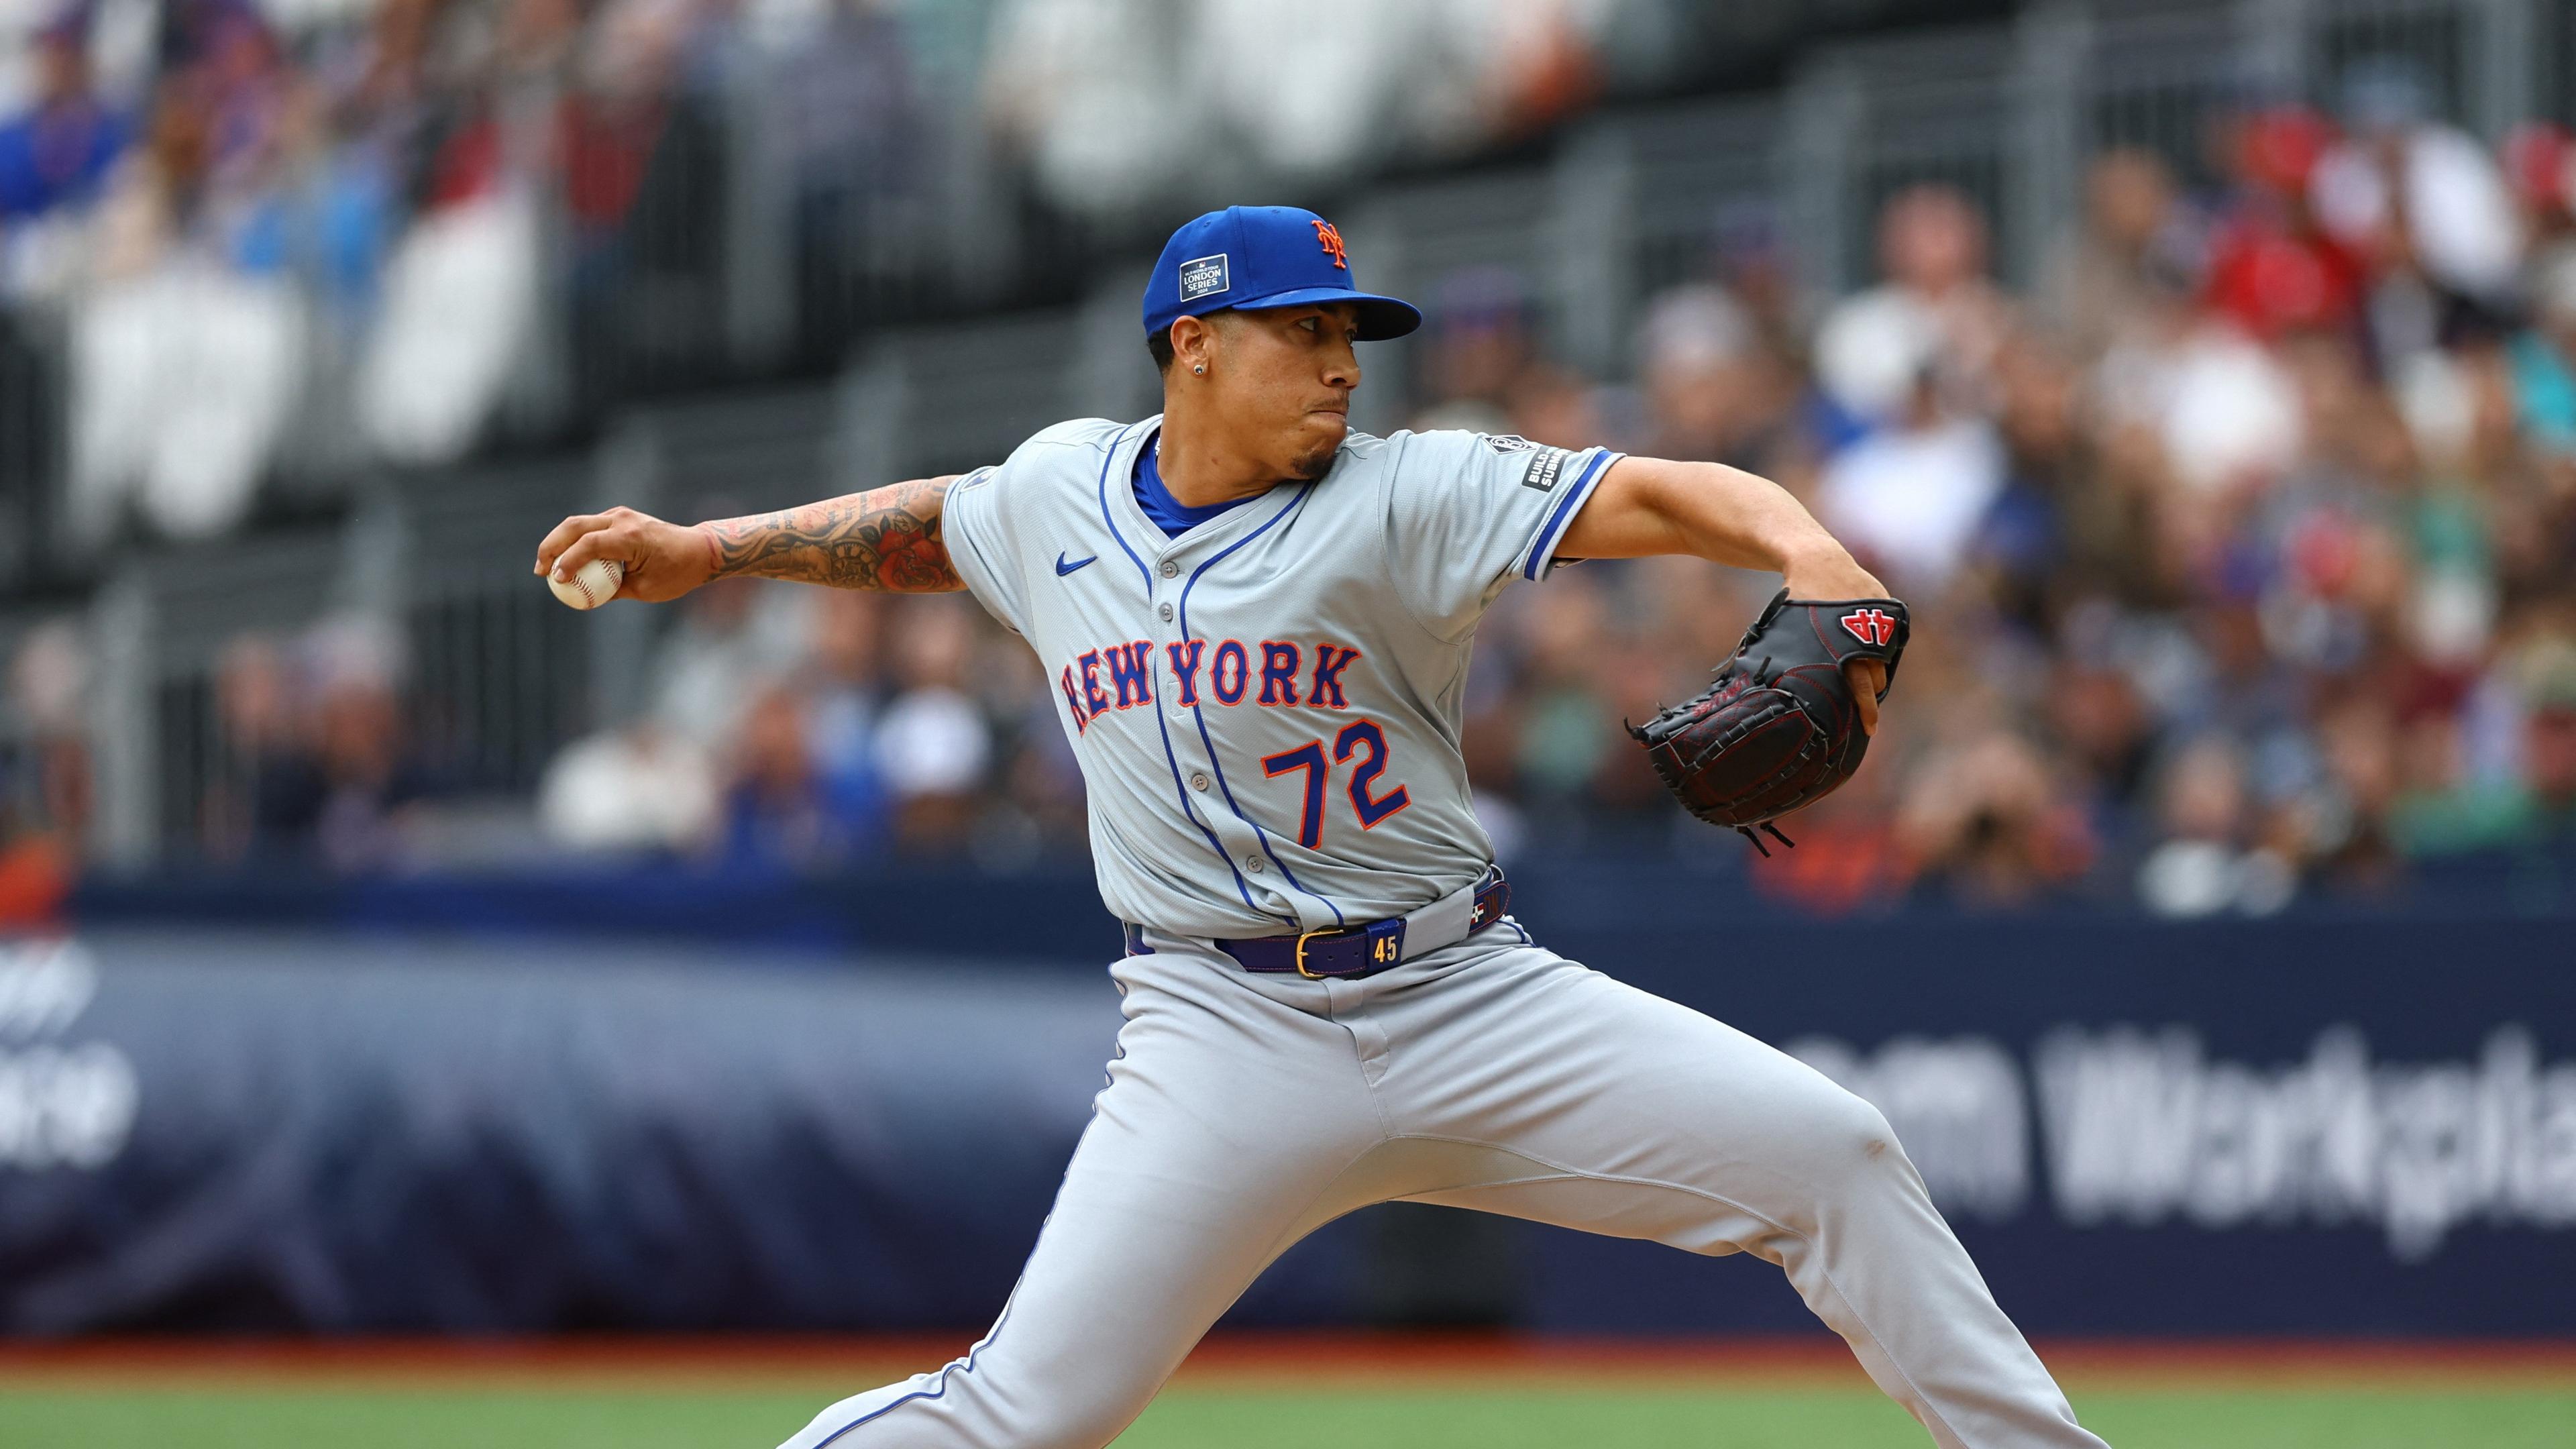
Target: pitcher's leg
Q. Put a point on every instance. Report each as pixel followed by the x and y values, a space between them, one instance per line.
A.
pixel 1623 1113
pixel 1228 1122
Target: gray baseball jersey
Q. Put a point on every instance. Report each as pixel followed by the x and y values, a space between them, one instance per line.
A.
pixel 1267 708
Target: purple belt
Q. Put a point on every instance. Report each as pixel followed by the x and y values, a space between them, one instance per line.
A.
pixel 1349 952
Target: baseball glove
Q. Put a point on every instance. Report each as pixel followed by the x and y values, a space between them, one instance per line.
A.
pixel 1780 728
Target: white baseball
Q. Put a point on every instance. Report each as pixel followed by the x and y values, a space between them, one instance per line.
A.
pixel 593 584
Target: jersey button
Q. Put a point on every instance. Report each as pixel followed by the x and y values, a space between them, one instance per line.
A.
pixel 1198 782
pixel 1171 570
pixel 1252 863
pixel 1167 613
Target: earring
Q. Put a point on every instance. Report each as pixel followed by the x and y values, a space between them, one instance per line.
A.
pixel 1201 369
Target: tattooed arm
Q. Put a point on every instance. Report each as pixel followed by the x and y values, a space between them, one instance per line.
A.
pixel 887 538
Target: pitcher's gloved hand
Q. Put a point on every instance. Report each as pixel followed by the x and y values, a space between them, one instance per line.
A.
pixel 1781 728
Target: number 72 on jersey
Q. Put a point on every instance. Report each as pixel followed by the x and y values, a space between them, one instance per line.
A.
pixel 1361 738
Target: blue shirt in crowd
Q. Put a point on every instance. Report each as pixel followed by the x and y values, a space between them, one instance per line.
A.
pixel 49 158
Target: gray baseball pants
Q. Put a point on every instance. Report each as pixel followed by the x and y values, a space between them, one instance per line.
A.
pixel 1244 1111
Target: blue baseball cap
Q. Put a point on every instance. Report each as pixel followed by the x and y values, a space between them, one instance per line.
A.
pixel 1263 256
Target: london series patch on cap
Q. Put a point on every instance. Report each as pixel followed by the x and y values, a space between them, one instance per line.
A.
pixel 1203 277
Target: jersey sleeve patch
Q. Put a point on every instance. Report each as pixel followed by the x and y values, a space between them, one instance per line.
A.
pixel 1546 465
pixel 1546 469
pixel 1541 554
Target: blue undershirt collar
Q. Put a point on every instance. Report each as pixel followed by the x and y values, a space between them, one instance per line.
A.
pixel 1170 515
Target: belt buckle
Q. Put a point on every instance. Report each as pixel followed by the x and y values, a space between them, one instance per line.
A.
pixel 1385 947
pixel 1305 936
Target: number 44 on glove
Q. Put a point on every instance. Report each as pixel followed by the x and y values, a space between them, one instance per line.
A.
pixel 1780 729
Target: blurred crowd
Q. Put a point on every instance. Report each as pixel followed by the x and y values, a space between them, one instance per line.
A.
pixel 2242 545
pixel 286 238
pixel 299 235
pixel 794 728
pixel 2242 548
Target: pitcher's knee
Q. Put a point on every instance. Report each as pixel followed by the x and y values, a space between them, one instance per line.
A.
pixel 1848 1133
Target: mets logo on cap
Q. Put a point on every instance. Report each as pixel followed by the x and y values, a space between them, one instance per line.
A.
pixel 1330 237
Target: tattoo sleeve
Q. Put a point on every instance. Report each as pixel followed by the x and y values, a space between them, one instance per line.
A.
pixel 886 538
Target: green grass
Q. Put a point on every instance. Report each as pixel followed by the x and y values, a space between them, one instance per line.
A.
pixel 1211 1418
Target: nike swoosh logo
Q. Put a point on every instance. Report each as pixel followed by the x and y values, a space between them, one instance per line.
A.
pixel 1062 568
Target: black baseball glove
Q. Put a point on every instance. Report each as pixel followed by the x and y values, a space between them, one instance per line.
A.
pixel 1780 728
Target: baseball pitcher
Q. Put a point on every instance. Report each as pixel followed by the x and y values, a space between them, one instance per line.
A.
pixel 1257 624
